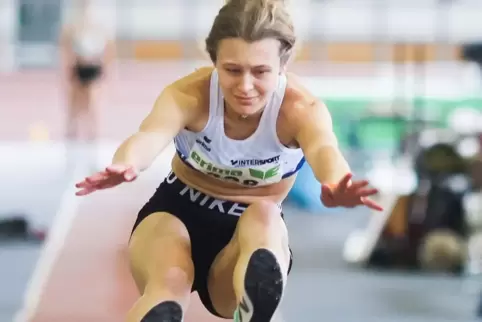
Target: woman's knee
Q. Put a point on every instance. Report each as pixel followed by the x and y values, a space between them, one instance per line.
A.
pixel 160 256
pixel 262 214
pixel 263 222
pixel 161 264
pixel 174 282
pixel 262 225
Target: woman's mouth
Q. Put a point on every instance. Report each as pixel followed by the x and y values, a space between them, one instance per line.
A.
pixel 244 100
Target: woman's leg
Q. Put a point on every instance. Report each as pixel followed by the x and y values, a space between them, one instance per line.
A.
pixel 251 271
pixel 161 265
pixel 74 112
pixel 82 115
pixel 90 120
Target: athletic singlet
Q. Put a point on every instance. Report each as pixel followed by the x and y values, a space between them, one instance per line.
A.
pixel 88 44
pixel 258 160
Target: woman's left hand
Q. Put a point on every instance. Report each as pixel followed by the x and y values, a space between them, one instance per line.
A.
pixel 349 194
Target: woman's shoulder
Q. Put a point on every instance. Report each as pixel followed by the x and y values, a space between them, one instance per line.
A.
pixel 297 96
pixel 191 94
pixel 300 105
pixel 194 84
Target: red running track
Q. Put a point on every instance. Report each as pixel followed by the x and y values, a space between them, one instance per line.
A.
pixel 83 273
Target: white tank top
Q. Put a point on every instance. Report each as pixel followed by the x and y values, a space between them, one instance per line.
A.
pixel 258 160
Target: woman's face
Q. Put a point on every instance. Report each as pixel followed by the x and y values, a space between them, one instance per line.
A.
pixel 248 73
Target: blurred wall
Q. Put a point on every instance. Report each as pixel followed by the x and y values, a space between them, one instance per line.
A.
pixel 8 33
pixel 335 20
pixel 335 30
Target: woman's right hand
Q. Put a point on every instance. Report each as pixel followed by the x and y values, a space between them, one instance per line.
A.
pixel 112 176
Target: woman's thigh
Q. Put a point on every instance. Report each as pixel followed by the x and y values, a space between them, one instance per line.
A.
pixel 160 254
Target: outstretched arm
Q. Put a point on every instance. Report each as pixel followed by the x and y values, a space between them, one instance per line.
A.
pixel 172 111
pixel 314 134
pixel 319 144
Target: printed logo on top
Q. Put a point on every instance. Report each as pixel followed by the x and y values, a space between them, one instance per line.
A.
pixel 257 172
pixel 254 162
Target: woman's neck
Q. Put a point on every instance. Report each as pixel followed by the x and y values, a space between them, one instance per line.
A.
pixel 236 117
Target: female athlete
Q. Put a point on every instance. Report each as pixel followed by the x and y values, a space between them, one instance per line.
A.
pixel 87 52
pixel 242 130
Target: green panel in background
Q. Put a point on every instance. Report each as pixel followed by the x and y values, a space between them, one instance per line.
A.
pixel 351 123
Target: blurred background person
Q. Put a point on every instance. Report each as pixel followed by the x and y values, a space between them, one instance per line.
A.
pixel 87 52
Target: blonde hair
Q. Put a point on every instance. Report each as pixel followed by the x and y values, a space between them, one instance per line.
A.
pixel 253 20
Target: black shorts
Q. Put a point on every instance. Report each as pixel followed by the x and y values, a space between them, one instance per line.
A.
pixel 210 222
pixel 87 73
